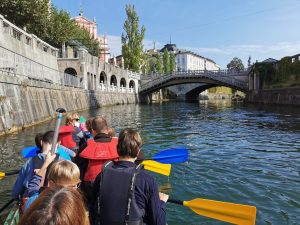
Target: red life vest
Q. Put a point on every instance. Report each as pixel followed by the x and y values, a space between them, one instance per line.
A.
pixel 65 135
pixel 98 153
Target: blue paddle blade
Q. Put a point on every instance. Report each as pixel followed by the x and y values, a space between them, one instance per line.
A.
pixel 171 156
pixel 33 151
pixel 30 151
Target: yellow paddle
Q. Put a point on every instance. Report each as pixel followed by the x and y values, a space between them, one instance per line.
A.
pixel 164 169
pixel 2 174
pixel 224 211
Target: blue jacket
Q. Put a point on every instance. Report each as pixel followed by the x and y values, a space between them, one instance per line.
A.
pixel 24 177
pixel 33 190
pixel 146 195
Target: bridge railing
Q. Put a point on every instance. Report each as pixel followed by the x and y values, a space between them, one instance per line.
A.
pixel 217 75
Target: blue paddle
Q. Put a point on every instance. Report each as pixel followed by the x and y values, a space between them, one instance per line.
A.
pixel 171 156
pixel 33 151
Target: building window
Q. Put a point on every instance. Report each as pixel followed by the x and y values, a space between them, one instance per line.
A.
pixel 293 60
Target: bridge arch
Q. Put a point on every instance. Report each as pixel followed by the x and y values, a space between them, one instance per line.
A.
pixel 103 78
pixel 123 82
pixel 113 80
pixel 71 71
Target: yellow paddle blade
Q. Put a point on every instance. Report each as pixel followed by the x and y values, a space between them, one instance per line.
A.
pixel 2 175
pixel 224 211
pixel 164 169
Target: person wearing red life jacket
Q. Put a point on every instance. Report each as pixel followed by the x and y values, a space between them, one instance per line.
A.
pixel 92 155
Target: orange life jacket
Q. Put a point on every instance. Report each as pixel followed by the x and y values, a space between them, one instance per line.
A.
pixel 65 135
pixel 98 153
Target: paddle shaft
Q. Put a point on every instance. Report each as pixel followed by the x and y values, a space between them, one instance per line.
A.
pixel 175 201
pixel 58 121
pixel 6 205
pixel 12 173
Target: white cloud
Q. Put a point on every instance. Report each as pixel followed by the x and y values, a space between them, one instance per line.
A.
pixel 282 48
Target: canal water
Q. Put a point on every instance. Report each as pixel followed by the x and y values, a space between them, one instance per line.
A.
pixel 237 153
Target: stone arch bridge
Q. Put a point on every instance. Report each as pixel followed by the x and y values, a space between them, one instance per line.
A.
pixel 208 79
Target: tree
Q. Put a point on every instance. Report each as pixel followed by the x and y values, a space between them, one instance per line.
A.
pixel 235 65
pixel 159 64
pixel 172 62
pixel 132 40
pixel 32 14
pixel 166 61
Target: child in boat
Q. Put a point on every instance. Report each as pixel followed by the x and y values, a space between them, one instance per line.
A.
pixel 57 206
pixel 61 173
pixel 44 142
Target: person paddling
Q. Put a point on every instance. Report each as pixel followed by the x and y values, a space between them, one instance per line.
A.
pixel 95 153
pixel 34 163
pixel 123 192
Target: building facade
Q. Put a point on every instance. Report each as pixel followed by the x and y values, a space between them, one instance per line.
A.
pixel 91 27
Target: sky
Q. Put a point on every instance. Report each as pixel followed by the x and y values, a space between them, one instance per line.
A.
pixel 216 29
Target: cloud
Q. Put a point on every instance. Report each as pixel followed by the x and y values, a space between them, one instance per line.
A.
pixel 282 48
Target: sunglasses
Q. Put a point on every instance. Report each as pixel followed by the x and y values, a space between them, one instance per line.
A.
pixel 76 119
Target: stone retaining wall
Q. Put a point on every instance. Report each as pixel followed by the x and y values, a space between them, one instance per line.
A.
pixel 27 102
pixel 280 96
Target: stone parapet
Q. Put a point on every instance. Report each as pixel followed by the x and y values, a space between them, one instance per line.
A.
pixel 27 102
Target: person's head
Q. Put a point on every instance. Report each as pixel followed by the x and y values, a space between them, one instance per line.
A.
pixel 38 140
pixel 99 125
pixel 72 119
pixel 56 206
pixel 64 173
pixel 47 140
pixel 88 124
pixel 111 131
pixel 129 143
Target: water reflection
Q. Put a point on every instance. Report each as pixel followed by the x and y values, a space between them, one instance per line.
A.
pixel 237 153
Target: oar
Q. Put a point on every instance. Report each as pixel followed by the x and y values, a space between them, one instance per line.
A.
pixel 58 121
pixel 224 211
pixel 164 169
pixel 6 205
pixel 171 156
pixel 3 174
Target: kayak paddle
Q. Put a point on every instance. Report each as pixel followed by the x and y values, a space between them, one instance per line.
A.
pixel 56 131
pixel 164 169
pixel 224 211
pixel 171 156
pixel 2 174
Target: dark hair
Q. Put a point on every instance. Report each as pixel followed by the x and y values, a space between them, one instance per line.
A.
pixel 88 124
pixel 99 125
pixel 38 138
pixel 129 143
pixel 56 206
pixel 48 137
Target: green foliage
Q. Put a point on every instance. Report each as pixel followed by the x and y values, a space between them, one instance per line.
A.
pixel 31 14
pixel 50 24
pixel 166 62
pixel 172 62
pixel 235 65
pixel 159 64
pixel 283 74
pixel 132 41
pixel 151 65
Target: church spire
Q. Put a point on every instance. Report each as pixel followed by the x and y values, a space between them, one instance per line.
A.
pixel 81 11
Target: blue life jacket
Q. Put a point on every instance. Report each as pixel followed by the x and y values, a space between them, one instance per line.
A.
pixel 117 196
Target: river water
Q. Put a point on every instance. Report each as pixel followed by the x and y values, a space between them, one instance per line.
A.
pixel 237 153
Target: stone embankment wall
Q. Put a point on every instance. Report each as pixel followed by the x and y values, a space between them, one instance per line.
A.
pixel 286 96
pixel 27 102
